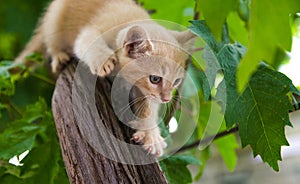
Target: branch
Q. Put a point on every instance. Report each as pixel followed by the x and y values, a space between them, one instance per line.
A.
pixel 207 139
pixel 197 49
pixel 196 13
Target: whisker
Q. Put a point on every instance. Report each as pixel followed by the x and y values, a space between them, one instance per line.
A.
pixel 140 109
pixel 132 102
pixel 127 106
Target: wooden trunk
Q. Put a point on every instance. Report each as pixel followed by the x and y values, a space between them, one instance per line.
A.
pixel 94 143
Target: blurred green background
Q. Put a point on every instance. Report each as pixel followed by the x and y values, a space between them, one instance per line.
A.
pixel 17 22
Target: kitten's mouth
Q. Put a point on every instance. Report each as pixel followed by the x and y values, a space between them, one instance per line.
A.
pixel 164 100
pixel 158 99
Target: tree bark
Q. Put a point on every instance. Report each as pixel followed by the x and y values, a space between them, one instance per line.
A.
pixel 96 146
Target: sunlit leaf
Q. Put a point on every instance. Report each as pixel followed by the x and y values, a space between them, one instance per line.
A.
pixel 237 28
pixel 178 11
pixel 226 146
pixel 215 13
pixel 268 31
pixel 204 156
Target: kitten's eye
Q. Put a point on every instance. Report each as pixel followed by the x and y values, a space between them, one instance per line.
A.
pixel 154 79
pixel 176 82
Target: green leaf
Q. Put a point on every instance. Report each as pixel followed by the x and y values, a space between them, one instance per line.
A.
pixel 262 112
pixel 215 13
pixel 200 28
pixel 7 168
pixel 203 119
pixel 243 9
pixel 204 156
pixel 216 54
pixel 237 28
pixel 36 132
pixel 7 80
pixel 20 135
pixel 268 30
pixel 210 124
pixel 180 11
pixel 226 146
pixel 211 71
pixel 175 168
pixel 199 79
pixel 209 55
pixel 17 146
pixel 45 168
pixel 228 58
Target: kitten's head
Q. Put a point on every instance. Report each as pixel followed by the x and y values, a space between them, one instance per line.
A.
pixel 154 60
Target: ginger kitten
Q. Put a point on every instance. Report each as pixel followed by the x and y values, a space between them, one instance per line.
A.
pixel 117 37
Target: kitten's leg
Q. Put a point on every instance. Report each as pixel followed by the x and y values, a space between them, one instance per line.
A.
pixel 148 132
pixel 59 59
pixel 151 139
pixel 91 48
pixel 56 48
pixel 56 35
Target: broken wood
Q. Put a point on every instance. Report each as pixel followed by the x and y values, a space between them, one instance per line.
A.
pixel 96 146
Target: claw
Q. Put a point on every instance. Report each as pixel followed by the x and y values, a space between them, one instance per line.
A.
pixel 136 138
pixel 153 142
pixel 164 145
pixel 149 150
pixel 107 67
pixel 157 153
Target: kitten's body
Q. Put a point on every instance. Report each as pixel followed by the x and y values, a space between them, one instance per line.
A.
pixel 105 34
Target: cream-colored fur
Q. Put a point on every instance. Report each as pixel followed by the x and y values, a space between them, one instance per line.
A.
pixel 104 34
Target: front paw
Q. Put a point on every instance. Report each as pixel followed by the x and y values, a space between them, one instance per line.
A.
pixel 59 59
pixel 106 68
pixel 152 141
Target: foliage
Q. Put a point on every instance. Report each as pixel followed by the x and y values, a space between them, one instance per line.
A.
pixel 226 146
pixel 17 22
pixel 263 102
pixel 269 30
pixel 26 121
pixel 244 42
pixel 182 11
pixel 175 168
pixel 29 128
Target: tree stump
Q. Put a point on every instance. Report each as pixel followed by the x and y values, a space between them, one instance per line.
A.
pixel 96 146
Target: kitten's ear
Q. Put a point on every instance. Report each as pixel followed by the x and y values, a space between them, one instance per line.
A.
pixel 186 39
pixel 137 43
